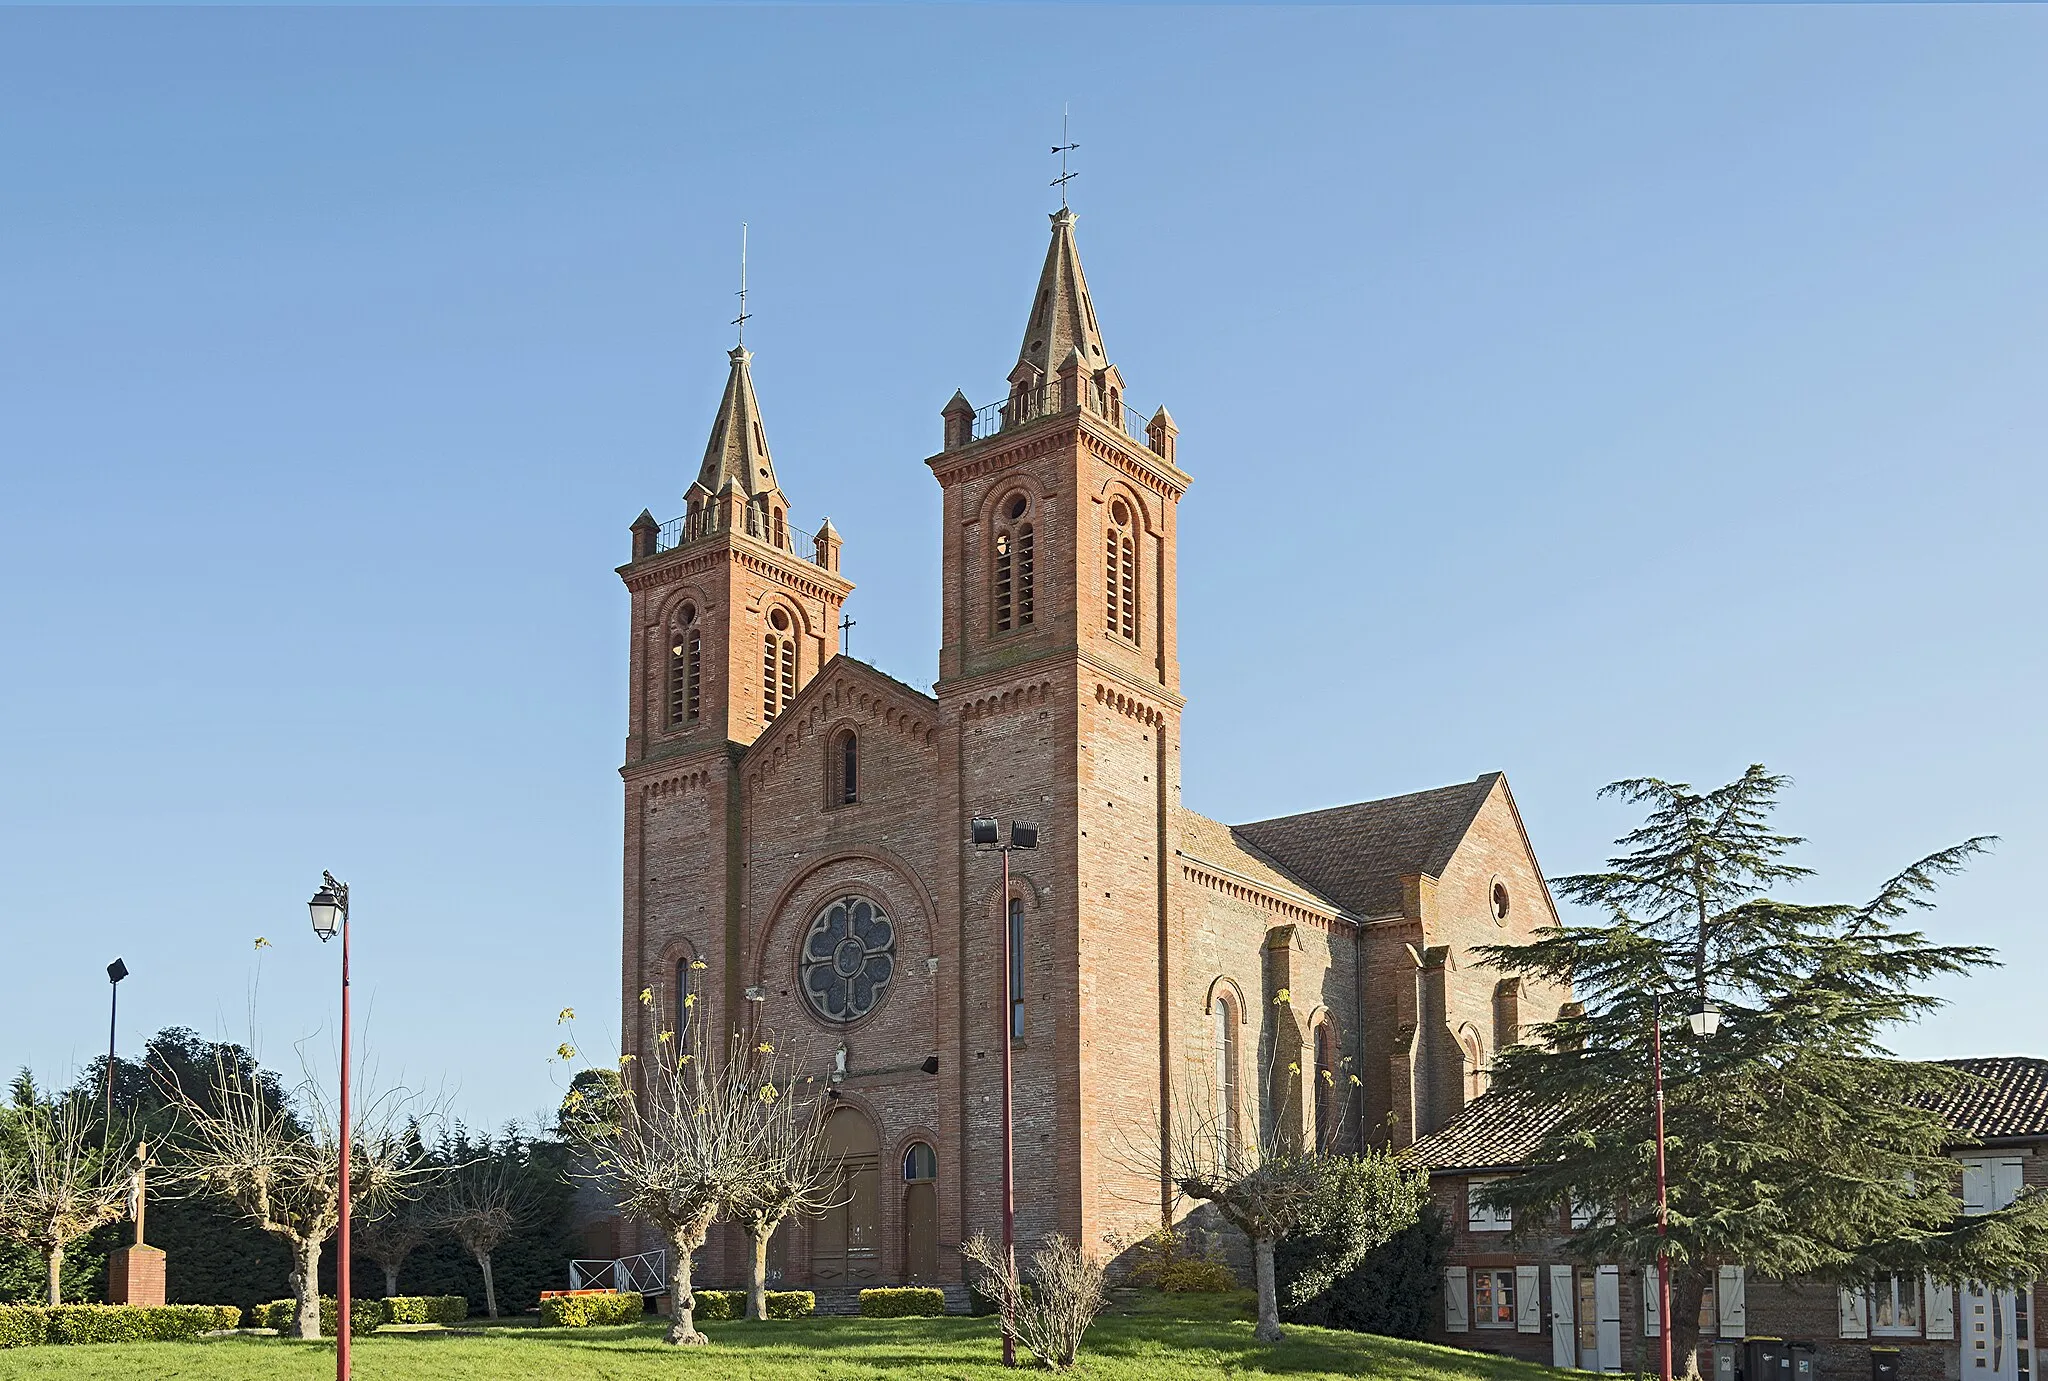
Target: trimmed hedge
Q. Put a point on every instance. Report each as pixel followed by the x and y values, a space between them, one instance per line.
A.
pixel 426 1308
pixel 715 1306
pixel 30 1325
pixel 585 1311
pixel 364 1315
pixel 791 1304
pixel 907 1302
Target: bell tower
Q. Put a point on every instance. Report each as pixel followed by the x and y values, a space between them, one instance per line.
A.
pixel 734 611
pixel 1059 672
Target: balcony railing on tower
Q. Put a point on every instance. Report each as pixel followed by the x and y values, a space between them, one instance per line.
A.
pixel 1028 403
pixel 707 521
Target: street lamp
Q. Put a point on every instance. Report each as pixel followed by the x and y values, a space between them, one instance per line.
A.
pixel 1704 1022
pixel 986 833
pixel 329 909
pixel 116 971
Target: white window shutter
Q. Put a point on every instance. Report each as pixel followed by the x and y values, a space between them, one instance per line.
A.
pixel 1977 1187
pixel 1855 1309
pixel 1941 1309
pixel 1653 1301
pixel 1734 1306
pixel 1457 1300
pixel 1528 1300
pixel 1564 1328
pixel 2006 1178
pixel 1607 1298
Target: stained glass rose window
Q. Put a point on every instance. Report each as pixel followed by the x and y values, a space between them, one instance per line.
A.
pixel 848 958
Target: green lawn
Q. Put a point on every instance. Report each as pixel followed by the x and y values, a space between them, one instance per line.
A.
pixel 1153 1338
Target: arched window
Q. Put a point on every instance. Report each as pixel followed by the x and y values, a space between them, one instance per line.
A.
pixel 1016 577
pixel 781 534
pixel 1474 1046
pixel 1016 930
pixel 685 669
pixel 778 666
pixel 920 1163
pixel 1327 1094
pixel 845 763
pixel 1120 573
pixel 1226 1078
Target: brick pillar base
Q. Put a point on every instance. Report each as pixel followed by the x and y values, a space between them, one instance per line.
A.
pixel 135 1275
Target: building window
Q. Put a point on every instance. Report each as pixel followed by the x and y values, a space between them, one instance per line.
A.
pixel 848 959
pixel 845 769
pixel 685 669
pixel 1493 1297
pixel 1500 902
pixel 920 1163
pixel 1226 1078
pixel 778 666
pixel 1120 574
pixel 781 532
pixel 1016 929
pixel 1474 1046
pixel 1895 1306
pixel 1480 1216
pixel 1016 578
pixel 1326 1087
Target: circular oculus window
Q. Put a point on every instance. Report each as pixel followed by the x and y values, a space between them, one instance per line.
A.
pixel 848 958
pixel 1501 902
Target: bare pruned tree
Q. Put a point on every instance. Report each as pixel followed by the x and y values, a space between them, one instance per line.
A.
pixel 278 1161
pixel 792 1174
pixel 58 1180
pixel 483 1203
pixel 400 1228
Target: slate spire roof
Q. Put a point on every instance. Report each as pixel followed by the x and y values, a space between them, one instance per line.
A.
pixel 738 449
pixel 1062 317
pixel 1357 855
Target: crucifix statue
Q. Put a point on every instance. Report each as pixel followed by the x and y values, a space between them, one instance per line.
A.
pixel 138 1188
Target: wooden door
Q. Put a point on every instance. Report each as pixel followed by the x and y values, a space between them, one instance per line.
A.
pixel 846 1247
pixel 921 1232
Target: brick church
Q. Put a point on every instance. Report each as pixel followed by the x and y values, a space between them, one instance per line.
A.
pixel 797 851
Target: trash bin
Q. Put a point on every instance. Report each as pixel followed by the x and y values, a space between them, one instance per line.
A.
pixel 1726 1362
pixel 1805 1361
pixel 1884 1364
pixel 1767 1360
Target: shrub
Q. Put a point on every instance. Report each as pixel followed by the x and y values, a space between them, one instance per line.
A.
pixel 1356 1203
pixel 1197 1276
pixel 112 1323
pixel 426 1308
pixel 24 1325
pixel 791 1304
pixel 1170 1260
pixel 1051 1313
pixel 716 1305
pixel 364 1315
pixel 909 1302
pixel 1396 1291
pixel 585 1311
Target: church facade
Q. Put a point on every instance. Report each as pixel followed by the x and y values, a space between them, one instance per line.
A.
pixel 797 855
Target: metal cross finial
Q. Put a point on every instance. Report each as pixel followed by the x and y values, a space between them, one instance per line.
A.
pixel 1063 148
pixel 741 320
pixel 846 627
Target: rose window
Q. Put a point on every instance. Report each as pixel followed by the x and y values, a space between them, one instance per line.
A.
pixel 848 958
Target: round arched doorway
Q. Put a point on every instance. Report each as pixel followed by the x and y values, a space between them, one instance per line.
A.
pixel 920 1214
pixel 846 1244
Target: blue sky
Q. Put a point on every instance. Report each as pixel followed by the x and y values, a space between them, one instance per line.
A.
pixel 1578 392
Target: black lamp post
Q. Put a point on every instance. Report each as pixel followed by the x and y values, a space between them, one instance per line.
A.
pixel 329 908
pixel 985 833
pixel 1704 1022
pixel 116 971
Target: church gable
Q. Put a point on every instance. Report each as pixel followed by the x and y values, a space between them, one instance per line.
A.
pixel 885 712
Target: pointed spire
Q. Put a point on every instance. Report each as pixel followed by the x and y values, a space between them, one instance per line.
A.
pixel 1062 318
pixel 738 450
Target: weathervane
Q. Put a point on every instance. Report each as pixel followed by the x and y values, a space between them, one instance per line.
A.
pixel 1063 148
pixel 741 320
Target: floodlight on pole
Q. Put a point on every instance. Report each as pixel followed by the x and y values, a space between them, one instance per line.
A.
pixel 985 832
pixel 116 971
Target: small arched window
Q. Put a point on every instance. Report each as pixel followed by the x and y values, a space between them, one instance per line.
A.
pixel 1120 573
pixel 1474 1046
pixel 778 666
pixel 920 1163
pixel 683 1004
pixel 845 766
pixel 1327 1094
pixel 781 531
pixel 1227 1135
pixel 1016 940
pixel 685 668
pixel 1016 575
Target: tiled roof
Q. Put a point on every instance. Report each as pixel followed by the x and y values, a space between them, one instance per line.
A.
pixel 1495 1133
pixel 1357 855
pixel 1214 843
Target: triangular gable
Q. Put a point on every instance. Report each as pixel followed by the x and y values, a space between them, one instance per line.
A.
pixel 844 686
